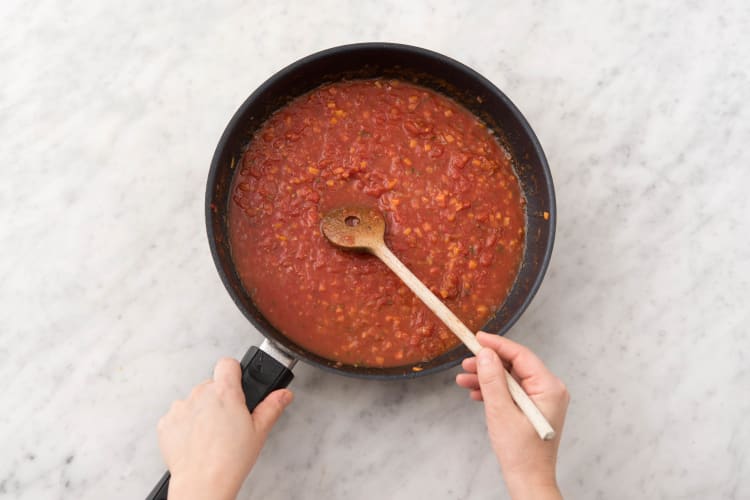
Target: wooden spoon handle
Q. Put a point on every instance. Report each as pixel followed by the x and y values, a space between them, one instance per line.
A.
pixel 527 406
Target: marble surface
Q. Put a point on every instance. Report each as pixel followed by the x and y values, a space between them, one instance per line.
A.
pixel 110 306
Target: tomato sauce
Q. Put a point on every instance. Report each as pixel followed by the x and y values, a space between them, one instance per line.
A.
pixel 454 211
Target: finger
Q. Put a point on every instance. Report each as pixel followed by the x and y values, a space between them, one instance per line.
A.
pixel 467 381
pixel 469 365
pixel 162 424
pixel 491 376
pixel 177 406
pixel 476 395
pixel 227 372
pixel 228 380
pixel 524 362
pixel 199 389
pixel 269 410
pixel 174 412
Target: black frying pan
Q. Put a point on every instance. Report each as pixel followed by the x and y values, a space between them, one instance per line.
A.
pixel 269 367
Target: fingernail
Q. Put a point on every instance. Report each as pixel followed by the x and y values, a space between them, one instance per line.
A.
pixel 286 397
pixel 484 358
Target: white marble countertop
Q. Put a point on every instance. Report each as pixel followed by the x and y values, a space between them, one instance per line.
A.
pixel 110 306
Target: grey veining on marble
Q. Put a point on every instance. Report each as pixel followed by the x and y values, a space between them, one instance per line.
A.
pixel 110 307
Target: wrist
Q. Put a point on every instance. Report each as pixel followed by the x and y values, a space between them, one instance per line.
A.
pixel 533 487
pixel 536 492
pixel 193 487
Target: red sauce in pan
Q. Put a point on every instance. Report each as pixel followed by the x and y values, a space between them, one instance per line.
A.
pixel 452 203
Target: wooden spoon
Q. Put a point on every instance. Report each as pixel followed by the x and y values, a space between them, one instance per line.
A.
pixel 362 228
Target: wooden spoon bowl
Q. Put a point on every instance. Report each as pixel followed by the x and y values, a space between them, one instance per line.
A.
pixel 354 228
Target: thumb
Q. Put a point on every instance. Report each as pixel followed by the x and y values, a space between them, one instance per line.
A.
pixel 491 375
pixel 270 409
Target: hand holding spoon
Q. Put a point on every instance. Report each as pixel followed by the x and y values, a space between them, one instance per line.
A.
pixel 362 228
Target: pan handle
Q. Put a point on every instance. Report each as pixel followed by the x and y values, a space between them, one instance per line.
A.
pixel 264 370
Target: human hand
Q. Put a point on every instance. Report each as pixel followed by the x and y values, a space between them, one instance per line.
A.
pixel 528 463
pixel 211 441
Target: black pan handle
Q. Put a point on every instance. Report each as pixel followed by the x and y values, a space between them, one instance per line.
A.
pixel 261 375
